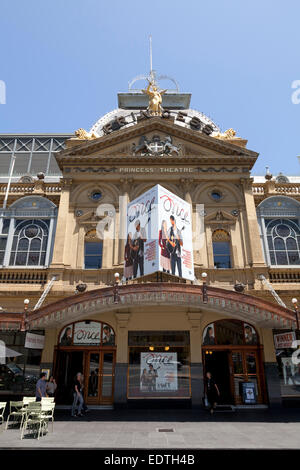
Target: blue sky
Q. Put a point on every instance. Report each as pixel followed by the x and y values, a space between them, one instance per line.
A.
pixel 63 63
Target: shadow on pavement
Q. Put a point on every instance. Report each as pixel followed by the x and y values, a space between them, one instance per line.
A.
pixel 280 415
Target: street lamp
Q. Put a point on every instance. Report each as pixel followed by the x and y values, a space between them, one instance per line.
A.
pixel 204 288
pixel 116 291
pixel 24 319
pixel 295 303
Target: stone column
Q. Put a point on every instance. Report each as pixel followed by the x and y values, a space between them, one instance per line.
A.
pixel 58 260
pixel 187 187
pixel 197 385
pixel 80 247
pixel 256 253
pixel 209 244
pixel 120 393
pixel 125 184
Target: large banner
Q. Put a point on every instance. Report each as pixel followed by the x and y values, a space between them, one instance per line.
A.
pixel 159 235
pixel 158 371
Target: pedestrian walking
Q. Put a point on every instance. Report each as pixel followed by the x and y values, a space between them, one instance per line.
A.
pixel 77 396
pixel 41 386
pixel 212 392
pixel 84 407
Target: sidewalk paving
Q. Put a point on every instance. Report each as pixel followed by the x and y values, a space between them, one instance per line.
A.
pixel 121 429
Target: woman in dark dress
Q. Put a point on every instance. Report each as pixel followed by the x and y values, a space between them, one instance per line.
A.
pixel 209 338
pixel 165 259
pixel 128 268
pixel 66 339
pixel 212 391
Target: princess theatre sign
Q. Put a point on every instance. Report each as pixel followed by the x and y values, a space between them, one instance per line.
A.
pixel 193 122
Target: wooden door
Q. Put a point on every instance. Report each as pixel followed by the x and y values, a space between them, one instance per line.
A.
pixel 245 367
pixel 100 372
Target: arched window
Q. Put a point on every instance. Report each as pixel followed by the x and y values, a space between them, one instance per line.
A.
pixel 87 332
pixel 278 219
pixel 27 230
pixel 221 249
pixel 93 248
pixel 30 242
pixel 229 331
pixel 283 237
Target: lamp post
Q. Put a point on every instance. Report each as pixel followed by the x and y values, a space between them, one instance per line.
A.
pixel 295 303
pixel 116 291
pixel 204 288
pixel 24 319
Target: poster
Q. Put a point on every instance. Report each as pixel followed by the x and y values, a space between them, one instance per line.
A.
pixel 158 372
pixel 33 341
pixel 284 340
pixel 108 336
pixel 250 334
pixel 249 393
pixel 159 235
pixel 290 371
pixel 66 336
pixel 209 335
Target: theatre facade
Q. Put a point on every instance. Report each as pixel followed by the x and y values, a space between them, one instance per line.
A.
pixel 145 338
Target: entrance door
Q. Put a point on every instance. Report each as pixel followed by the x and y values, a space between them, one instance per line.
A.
pixel 217 363
pixel 245 368
pixel 100 373
pixel 68 364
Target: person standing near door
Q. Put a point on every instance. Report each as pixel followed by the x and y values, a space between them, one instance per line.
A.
pixel 84 407
pixel 41 386
pixel 51 387
pixel 77 396
pixel 212 392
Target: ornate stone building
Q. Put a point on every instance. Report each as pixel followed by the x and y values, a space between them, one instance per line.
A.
pixel 61 187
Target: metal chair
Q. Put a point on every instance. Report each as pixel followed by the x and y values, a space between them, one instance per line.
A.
pixel 34 419
pixel 2 409
pixel 27 400
pixel 48 412
pixel 16 410
pixel 47 399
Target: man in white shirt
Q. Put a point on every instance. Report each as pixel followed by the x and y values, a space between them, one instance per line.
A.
pixel 175 244
pixel 138 240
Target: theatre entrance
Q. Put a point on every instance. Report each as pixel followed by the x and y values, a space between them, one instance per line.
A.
pixel 232 353
pixel 97 368
pixel 86 347
pixel 217 364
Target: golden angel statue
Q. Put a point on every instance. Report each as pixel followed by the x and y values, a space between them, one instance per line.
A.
pixel 155 99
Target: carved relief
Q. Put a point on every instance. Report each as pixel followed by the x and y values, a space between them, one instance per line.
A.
pixel 155 147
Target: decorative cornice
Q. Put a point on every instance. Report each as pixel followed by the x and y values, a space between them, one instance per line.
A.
pixel 153 124
pixel 229 303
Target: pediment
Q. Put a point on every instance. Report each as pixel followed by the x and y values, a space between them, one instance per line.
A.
pixel 125 143
pixel 220 217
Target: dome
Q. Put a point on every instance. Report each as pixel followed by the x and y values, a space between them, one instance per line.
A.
pixel 124 118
